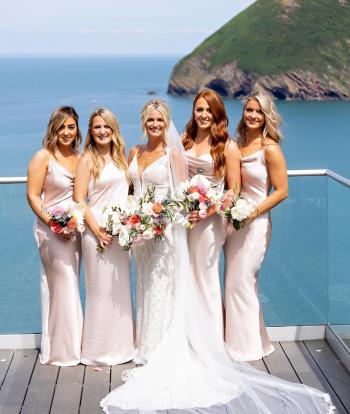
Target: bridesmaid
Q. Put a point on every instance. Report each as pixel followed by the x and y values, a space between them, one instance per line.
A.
pixel 262 166
pixel 50 184
pixel 210 152
pixel 102 176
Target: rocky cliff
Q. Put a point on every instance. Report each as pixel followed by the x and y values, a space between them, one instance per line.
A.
pixel 293 49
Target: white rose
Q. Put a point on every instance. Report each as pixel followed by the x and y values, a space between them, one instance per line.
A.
pixel 116 227
pixel 147 208
pixel 147 235
pixel 194 196
pixel 178 218
pixel 180 195
pixel 202 206
pixel 200 179
pixel 202 214
pixel 123 237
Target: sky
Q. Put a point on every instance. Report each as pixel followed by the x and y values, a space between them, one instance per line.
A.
pixel 111 27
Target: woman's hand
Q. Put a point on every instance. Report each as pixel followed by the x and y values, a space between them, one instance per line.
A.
pixel 193 217
pixel 104 239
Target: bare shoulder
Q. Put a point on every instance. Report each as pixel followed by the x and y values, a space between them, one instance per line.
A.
pixel 231 147
pixel 132 153
pixel 134 150
pixel 85 160
pixel 272 148
pixel 40 159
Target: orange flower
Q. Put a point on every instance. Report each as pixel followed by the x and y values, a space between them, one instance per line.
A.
pixel 193 189
pixel 157 208
pixel 72 223
pixel 133 220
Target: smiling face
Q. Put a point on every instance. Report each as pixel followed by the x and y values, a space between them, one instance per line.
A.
pixel 253 116
pixel 101 131
pixel 203 115
pixel 155 125
pixel 67 133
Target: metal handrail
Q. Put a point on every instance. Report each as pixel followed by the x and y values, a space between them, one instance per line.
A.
pixel 291 173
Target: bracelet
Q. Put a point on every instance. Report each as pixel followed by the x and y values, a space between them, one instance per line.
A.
pixel 258 212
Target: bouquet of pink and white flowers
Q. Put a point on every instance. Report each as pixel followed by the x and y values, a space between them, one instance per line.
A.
pixel 236 209
pixel 142 218
pixel 195 194
pixel 67 220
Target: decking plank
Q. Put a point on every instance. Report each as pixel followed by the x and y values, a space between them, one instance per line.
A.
pixel 332 368
pixel 96 386
pixel 5 361
pixel 259 365
pixel 16 381
pixel 309 372
pixel 68 390
pixel 278 365
pixel 41 389
pixel 117 372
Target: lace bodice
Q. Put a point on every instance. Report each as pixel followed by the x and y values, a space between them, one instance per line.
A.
pixel 156 174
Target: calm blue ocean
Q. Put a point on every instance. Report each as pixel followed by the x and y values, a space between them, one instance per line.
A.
pixel 316 136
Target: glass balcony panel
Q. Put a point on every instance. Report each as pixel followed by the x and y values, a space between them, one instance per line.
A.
pixel 293 279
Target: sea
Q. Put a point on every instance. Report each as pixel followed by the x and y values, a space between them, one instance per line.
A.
pixel 305 271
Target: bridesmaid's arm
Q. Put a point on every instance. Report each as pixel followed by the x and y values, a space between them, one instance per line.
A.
pixel 132 153
pixel 233 168
pixel 277 169
pixel 81 183
pixel 37 170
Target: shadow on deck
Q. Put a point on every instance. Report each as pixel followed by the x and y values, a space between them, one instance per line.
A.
pixel 27 387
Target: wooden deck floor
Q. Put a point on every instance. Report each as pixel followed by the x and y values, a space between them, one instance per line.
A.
pixel 27 387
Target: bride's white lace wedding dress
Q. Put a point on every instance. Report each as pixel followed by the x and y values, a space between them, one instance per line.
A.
pixel 188 367
pixel 154 266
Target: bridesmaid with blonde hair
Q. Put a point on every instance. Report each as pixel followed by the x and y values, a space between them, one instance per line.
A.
pixel 210 152
pixel 262 167
pixel 50 185
pixel 102 177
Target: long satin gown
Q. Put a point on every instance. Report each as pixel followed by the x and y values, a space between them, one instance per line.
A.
pixel 61 312
pixel 108 337
pixel 245 332
pixel 205 241
pixel 155 270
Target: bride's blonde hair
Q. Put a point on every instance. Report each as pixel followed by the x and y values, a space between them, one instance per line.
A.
pixel 272 118
pixel 117 146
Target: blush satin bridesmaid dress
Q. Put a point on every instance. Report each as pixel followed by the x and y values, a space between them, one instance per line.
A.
pixel 245 332
pixel 205 241
pixel 61 312
pixel 108 337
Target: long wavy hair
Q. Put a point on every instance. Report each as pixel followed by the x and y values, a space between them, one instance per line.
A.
pixel 272 118
pixel 57 119
pixel 155 105
pixel 218 130
pixel 117 146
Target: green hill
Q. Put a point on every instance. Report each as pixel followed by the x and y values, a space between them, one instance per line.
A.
pixel 300 47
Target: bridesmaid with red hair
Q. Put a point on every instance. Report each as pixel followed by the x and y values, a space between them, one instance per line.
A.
pixel 211 153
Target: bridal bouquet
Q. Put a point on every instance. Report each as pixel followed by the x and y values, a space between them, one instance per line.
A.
pixel 236 209
pixel 67 220
pixel 195 194
pixel 142 218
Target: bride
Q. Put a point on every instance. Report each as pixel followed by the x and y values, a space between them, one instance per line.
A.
pixel 187 366
pixel 149 165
